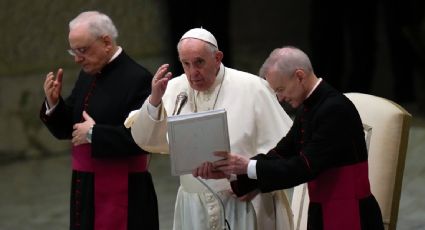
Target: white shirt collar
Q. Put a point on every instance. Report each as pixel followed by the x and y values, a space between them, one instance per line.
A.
pixel 315 86
pixel 118 52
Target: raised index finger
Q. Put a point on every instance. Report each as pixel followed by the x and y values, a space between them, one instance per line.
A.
pixel 59 75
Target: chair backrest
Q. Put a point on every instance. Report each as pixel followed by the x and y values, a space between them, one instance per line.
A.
pixel 386 126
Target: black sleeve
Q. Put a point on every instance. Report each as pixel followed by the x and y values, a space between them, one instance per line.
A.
pixel 116 140
pixel 110 141
pixel 321 151
pixel 283 150
pixel 59 123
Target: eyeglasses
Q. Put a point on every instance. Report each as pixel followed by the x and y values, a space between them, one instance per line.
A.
pixel 81 51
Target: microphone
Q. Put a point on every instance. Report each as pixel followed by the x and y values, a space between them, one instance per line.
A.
pixel 181 100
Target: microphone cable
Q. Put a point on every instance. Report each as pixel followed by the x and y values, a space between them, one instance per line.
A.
pixel 223 210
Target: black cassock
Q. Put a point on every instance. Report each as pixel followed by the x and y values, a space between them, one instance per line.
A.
pixel 122 86
pixel 326 148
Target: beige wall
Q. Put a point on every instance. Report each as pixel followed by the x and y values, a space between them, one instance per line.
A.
pixel 34 33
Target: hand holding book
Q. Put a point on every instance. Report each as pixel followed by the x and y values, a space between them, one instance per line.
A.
pixel 193 138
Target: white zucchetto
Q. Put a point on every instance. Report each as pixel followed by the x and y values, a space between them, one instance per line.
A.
pixel 201 34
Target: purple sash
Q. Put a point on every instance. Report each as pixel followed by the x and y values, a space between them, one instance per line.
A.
pixel 110 185
pixel 338 191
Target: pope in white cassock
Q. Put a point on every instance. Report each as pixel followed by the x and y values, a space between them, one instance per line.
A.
pixel 256 122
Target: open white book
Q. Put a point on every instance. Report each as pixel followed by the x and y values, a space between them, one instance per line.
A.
pixel 193 139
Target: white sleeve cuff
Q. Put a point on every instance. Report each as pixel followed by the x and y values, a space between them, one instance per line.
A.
pixel 153 111
pixel 252 170
pixel 233 177
pixel 48 109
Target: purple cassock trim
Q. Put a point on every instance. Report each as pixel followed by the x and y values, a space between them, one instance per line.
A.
pixel 110 184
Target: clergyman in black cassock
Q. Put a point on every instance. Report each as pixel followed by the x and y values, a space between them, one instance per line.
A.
pixel 111 186
pixel 325 147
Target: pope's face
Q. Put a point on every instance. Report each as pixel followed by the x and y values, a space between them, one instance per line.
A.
pixel 90 52
pixel 200 63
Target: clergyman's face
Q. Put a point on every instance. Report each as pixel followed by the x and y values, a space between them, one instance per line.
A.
pixel 199 62
pixel 288 89
pixel 90 52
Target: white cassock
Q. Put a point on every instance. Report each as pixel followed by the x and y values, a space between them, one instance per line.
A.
pixel 256 123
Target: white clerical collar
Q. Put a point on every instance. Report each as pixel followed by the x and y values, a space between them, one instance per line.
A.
pixel 118 52
pixel 315 86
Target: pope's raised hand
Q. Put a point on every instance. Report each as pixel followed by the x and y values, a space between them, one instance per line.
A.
pixel 159 84
pixel 52 87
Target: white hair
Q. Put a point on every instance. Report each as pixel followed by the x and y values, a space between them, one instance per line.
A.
pixel 99 24
pixel 211 48
pixel 286 60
